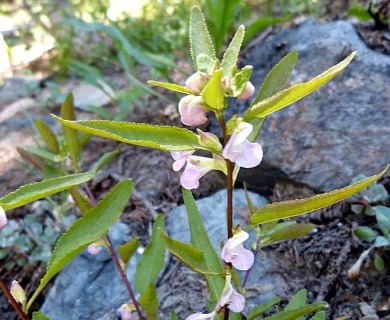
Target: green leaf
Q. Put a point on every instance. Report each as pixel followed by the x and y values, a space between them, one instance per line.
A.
pixel 189 255
pixel 365 233
pixel 381 242
pixel 213 94
pixel 104 160
pixel 240 80
pixel 149 302
pixel 81 200
pixel 261 24
pixel 31 158
pixel 47 136
pixel 39 190
pixel 379 263
pixel 260 309
pixel 319 316
pixel 127 250
pixel 71 140
pixel 44 154
pixel 200 239
pixel 199 36
pixel 152 260
pixel 89 228
pixel 159 137
pixel 294 314
pixel 290 95
pixel 297 301
pixel 38 315
pixel 289 232
pixel 359 12
pixel 382 214
pixel 287 209
pixel 170 86
pixel 230 57
pixel 174 316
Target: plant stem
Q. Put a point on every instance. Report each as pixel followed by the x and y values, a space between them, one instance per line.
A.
pixel 12 300
pixel 115 259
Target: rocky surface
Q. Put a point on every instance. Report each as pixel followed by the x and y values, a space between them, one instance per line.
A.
pixel 337 132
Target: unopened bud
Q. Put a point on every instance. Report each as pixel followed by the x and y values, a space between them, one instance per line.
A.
pixel 209 140
pixel 125 311
pixel 3 218
pixel 247 92
pixel 94 248
pixel 194 82
pixel 18 293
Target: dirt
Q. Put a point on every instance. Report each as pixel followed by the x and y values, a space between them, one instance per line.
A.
pixel 318 262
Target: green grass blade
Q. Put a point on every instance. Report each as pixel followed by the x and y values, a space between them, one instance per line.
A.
pixel 39 190
pixel 159 137
pixel 288 209
pixel 90 227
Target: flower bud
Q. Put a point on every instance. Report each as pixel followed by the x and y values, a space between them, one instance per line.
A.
pixel 209 140
pixel 18 293
pixel 94 248
pixel 192 112
pixel 194 83
pixel 3 218
pixel 247 92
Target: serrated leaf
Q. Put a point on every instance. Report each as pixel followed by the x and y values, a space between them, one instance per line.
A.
pixel 365 233
pixel 39 190
pixel 297 301
pixel 206 64
pixel 319 316
pixel 51 172
pixel 213 94
pixel 296 92
pixel 149 302
pixel 159 137
pixel 288 209
pixel 188 254
pixel 200 39
pixel 31 158
pixel 44 154
pixel 71 140
pixel 39 315
pixel 294 314
pixel 289 232
pixel 104 160
pixel 127 250
pixel 170 86
pixel 89 228
pixel 47 136
pixel 200 239
pixel 260 309
pixel 152 260
pixel 230 57
pixel 240 80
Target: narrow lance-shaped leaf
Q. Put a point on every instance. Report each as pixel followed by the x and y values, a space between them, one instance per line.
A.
pixel 275 80
pixel 31 158
pixel 296 313
pixel 297 301
pixel 170 86
pixel 39 316
pixel 200 239
pixel 44 154
pixel 290 95
pixel 89 228
pixel 159 137
pixel 127 250
pixel 319 316
pixel 39 190
pixel 230 57
pixel 213 94
pixel 47 135
pixel 149 302
pixel 200 39
pixel 104 160
pixel 287 209
pixel 189 255
pixel 152 260
pixel 289 232
pixel 259 310
pixel 71 140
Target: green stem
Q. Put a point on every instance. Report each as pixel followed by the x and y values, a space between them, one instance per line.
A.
pixel 12 300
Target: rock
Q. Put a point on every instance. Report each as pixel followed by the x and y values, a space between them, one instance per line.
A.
pixel 89 287
pixel 337 132
pixel 213 212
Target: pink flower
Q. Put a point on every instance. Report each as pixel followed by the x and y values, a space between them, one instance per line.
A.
pixel 230 298
pixel 195 82
pixel 201 316
pixel 125 311
pixel 94 248
pixel 233 251
pixel 180 158
pixel 240 150
pixel 247 92
pixel 197 167
pixel 192 111
pixel 3 218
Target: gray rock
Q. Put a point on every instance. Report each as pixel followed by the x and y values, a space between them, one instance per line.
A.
pixel 337 132
pixel 90 286
pixel 213 212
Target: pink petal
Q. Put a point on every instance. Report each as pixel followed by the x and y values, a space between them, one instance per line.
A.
pixel 3 218
pixel 244 260
pixel 250 155
pixel 248 92
pixel 94 249
pixel 192 113
pixel 194 82
pixel 181 158
pixel 201 316
pixel 237 302
pixel 190 177
pixel 225 253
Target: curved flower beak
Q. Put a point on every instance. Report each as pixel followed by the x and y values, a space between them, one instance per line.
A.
pixel 240 150
pixel 3 218
pixel 234 252
pixel 230 298
pixel 192 112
